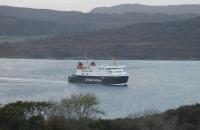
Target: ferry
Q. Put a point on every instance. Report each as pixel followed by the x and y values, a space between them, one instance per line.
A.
pixel 105 74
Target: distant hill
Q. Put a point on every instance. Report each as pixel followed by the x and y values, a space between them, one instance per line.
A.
pixel 170 9
pixel 37 14
pixel 26 21
pixel 150 31
pixel 18 26
pixel 167 40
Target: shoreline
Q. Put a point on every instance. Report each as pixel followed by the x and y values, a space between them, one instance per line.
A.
pixel 120 59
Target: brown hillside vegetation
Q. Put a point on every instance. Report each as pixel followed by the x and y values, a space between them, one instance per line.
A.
pixel 168 40
pixel 37 22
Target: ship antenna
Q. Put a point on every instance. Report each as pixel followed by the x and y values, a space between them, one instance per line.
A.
pixel 114 61
pixel 86 58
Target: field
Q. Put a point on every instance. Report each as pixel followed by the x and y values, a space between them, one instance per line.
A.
pixel 13 39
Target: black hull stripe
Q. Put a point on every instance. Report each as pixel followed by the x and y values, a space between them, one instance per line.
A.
pixel 108 80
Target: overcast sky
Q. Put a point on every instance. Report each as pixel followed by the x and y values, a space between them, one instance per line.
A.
pixel 86 5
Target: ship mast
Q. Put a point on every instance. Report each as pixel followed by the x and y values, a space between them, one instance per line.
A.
pixel 86 59
pixel 114 61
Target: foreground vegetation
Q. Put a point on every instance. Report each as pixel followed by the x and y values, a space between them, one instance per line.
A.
pixel 80 112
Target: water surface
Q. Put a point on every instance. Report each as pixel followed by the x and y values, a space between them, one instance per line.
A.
pixel 153 85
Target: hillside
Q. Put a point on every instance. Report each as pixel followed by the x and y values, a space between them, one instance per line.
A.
pixel 37 14
pixel 168 40
pixel 45 115
pixel 151 32
pixel 170 9
pixel 18 26
pixel 26 21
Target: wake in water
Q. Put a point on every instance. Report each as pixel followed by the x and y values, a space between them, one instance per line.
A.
pixel 28 80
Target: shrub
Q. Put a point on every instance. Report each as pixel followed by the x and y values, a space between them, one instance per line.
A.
pixel 19 115
pixel 77 107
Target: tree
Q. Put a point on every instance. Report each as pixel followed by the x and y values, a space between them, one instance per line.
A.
pixel 77 107
pixel 22 115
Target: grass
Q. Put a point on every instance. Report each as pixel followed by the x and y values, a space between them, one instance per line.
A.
pixel 12 39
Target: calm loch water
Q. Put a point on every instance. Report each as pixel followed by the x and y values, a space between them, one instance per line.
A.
pixel 153 85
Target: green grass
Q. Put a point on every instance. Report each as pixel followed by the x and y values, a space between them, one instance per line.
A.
pixel 12 39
